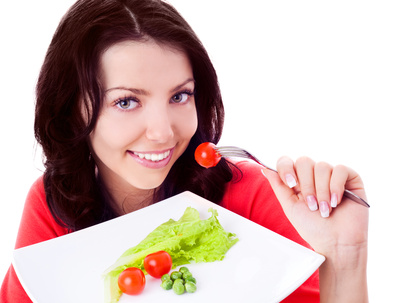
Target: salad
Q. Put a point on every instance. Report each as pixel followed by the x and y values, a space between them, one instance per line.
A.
pixel 188 240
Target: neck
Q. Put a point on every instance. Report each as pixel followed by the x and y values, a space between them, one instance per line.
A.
pixel 128 202
pixel 124 198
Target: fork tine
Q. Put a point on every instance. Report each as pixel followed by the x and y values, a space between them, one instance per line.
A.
pixel 233 154
pixel 233 151
pixel 229 148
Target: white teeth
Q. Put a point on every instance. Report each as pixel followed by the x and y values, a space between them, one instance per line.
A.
pixel 153 157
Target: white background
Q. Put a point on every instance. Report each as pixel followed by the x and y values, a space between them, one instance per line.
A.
pixel 298 78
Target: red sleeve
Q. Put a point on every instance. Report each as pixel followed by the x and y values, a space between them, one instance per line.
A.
pixel 37 225
pixel 251 196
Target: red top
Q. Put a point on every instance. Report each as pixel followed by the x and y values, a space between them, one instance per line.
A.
pixel 250 196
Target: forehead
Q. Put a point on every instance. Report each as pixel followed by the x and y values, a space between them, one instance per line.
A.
pixel 142 64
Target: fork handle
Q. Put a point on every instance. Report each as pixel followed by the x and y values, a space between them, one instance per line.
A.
pixel 355 198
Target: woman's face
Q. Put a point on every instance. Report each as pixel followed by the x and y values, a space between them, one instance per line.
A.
pixel 148 115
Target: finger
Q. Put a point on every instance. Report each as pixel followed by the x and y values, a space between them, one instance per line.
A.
pixel 340 175
pixel 286 171
pixel 322 175
pixel 305 171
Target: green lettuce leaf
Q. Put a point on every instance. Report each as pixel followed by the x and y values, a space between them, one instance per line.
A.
pixel 188 240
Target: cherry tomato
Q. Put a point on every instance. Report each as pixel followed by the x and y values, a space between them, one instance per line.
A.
pixel 206 155
pixel 157 264
pixel 131 281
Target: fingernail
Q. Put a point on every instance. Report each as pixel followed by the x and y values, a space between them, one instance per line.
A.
pixel 334 200
pixel 312 203
pixel 324 209
pixel 290 180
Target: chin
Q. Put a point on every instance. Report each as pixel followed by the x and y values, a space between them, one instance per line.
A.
pixel 147 184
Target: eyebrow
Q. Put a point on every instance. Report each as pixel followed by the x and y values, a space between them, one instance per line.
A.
pixel 143 92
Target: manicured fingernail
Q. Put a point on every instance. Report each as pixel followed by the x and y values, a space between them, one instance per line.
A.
pixel 290 180
pixel 312 203
pixel 324 209
pixel 334 200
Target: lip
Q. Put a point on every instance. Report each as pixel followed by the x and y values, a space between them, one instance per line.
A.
pixel 152 164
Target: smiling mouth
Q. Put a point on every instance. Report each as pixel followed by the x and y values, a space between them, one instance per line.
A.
pixel 152 156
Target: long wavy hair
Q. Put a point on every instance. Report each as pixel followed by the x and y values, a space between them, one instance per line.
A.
pixel 68 86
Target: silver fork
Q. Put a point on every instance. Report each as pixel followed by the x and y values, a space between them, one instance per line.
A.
pixel 233 151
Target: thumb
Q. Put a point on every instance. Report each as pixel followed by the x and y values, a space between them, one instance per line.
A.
pixel 284 194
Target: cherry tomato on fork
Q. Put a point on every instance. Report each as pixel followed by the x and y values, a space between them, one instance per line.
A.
pixel 131 281
pixel 157 264
pixel 206 155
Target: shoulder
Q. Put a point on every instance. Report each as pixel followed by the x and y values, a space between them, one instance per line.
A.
pixel 248 189
pixel 37 191
pixel 250 195
pixel 249 169
pixel 36 197
pixel 37 223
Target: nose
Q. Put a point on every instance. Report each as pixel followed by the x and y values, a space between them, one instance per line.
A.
pixel 159 126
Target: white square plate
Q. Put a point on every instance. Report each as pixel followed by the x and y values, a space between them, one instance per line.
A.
pixel 261 267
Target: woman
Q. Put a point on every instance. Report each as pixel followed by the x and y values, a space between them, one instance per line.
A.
pixel 125 95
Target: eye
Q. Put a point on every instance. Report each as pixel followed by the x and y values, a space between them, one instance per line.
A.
pixel 181 97
pixel 126 103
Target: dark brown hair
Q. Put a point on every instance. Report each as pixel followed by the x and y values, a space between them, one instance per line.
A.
pixel 68 85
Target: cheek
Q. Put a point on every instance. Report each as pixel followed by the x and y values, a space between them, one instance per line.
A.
pixel 187 123
pixel 112 134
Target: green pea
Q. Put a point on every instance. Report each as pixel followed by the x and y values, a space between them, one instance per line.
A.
pixel 167 284
pixel 186 275
pixel 183 269
pixel 179 281
pixel 190 279
pixel 190 287
pixel 175 275
pixel 178 288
